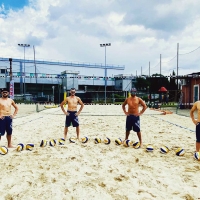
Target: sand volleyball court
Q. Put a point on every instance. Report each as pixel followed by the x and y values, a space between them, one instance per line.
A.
pixel 99 171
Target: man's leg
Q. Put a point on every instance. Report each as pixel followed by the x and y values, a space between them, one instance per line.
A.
pixel 8 121
pixel 127 135
pixel 9 141
pixel 197 146
pixel 65 132
pixel 67 124
pixel 198 137
pixel 78 132
pixel 128 127
pixel 139 137
pixel 2 128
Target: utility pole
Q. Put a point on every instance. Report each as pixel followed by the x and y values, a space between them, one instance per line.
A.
pixel 177 68
pixel 149 68
pixel 160 65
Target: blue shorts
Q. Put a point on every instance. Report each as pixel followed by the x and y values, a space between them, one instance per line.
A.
pixel 198 132
pixel 71 119
pixel 133 123
pixel 6 125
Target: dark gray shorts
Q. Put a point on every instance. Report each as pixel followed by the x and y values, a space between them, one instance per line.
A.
pixel 72 119
pixel 198 132
pixel 133 123
pixel 6 125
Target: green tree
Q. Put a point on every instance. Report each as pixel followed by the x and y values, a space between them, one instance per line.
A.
pixel 142 83
pixel 157 81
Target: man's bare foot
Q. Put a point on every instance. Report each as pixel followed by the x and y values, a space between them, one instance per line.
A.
pixel 123 142
pixel 11 146
pixel 163 113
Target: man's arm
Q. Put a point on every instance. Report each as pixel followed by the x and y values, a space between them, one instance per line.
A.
pixel 194 107
pixel 16 108
pixel 62 106
pixel 124 108
pixel 144 106
pixel 82 105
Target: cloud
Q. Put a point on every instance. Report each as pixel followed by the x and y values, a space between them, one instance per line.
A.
pixel 165 16
pixel 139 31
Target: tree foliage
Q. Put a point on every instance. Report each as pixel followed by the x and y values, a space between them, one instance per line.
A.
pixel 141 83
pixel 155 82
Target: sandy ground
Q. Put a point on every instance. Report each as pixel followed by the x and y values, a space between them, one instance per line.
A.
pixel 99 171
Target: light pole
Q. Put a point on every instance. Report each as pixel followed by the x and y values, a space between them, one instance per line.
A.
pixel 105 45
pixel 24 45
pixel 35 65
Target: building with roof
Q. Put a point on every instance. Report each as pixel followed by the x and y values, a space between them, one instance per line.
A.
pixel 43 84
pixel 190 89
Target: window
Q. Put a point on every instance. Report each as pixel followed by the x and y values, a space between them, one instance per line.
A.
pixel 196 93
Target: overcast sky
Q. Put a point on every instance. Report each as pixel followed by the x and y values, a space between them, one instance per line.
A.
pixel 72 31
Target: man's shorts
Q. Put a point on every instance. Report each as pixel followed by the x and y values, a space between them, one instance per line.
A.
pixel 71 119
pixel 6 125
pixel 198 132
pixel 133 123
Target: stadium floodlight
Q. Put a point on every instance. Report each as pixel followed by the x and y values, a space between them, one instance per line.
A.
pixel 24 46
pixel 105 45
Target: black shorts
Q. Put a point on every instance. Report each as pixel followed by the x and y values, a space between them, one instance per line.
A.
pixel 133 123
pixel 6 125
pixel 71 119
pixel 198 132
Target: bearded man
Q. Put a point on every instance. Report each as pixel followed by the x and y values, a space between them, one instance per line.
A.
pixel 6 117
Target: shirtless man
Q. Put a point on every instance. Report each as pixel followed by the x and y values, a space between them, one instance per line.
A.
pixel 195 107
pixel 71 113
pixel 5 115
pixel 133 114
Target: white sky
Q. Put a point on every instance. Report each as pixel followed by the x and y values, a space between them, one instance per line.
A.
pixel 72 31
